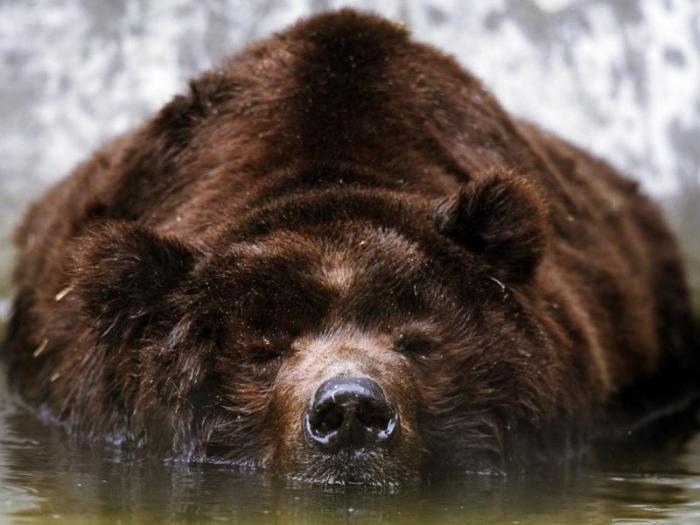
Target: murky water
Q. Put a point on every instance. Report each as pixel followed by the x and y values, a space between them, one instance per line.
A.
pixel 43 478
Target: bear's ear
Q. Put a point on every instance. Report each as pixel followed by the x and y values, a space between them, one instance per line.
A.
pixel 500 217
pixel 121 273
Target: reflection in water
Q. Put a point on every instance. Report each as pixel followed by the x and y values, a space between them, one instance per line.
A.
pixel 43 476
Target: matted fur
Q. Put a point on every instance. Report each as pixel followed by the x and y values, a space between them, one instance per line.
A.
pixel 340 200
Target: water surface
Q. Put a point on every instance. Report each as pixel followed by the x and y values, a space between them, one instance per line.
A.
pixel 46 479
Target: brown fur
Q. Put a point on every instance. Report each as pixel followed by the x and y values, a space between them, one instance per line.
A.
pixel 339 199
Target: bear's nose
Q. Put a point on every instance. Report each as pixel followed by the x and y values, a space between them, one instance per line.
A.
pixel 350 413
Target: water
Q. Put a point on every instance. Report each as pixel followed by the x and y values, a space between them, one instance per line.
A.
pixel 46 479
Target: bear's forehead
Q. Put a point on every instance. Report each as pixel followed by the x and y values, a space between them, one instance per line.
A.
pixel 363 275
pixel 336 257
pixel 346 261
pixel 337 273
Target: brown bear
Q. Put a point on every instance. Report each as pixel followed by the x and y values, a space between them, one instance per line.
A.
pixel 338 258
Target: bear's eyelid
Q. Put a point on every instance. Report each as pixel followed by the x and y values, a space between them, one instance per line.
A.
pixel 267 351
pixel 410 342
pixel 263 355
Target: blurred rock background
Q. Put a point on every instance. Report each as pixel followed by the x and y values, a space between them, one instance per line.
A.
pixel 619 77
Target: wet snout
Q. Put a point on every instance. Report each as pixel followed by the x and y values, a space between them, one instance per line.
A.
pixel 350 413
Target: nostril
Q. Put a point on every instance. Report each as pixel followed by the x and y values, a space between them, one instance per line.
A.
pixel 373 416
pixel 327 420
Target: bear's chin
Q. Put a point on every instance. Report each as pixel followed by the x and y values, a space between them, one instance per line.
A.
pixel 366 467
pixel 353 467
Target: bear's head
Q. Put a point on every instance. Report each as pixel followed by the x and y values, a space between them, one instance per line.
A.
pixel 354 335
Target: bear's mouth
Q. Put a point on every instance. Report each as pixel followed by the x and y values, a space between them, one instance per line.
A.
pixel 353 467
pixel 346 467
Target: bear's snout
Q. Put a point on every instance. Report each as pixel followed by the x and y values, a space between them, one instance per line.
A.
pixel 350 413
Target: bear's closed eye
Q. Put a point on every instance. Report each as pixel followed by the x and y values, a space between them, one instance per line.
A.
pixel 266 352
pixel 415 343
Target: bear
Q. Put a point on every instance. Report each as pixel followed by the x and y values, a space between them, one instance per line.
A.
pixel 338 259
